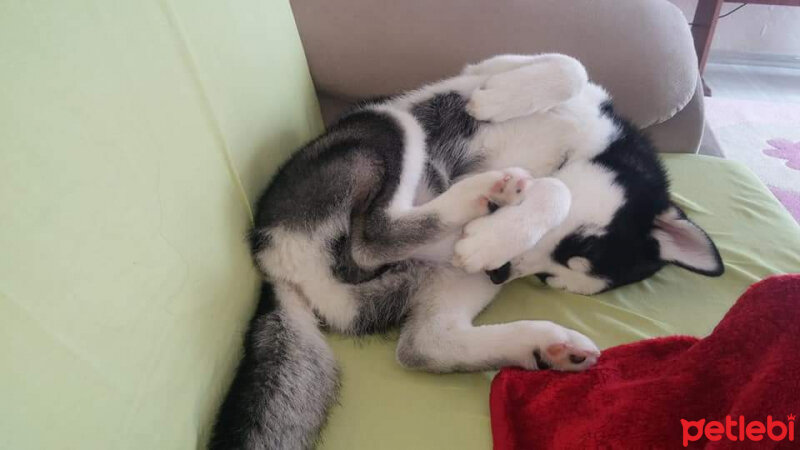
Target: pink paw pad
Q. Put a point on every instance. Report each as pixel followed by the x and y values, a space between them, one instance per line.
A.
pixel 522 185
pixel 556 349
pixel 575 356
pixel 500 186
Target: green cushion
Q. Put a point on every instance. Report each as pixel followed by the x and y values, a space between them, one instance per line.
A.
pixel 130 133
pixel 385 406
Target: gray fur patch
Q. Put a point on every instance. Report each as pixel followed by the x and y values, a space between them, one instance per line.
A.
pixel 448 128
pixel 284 386
pixel 384 301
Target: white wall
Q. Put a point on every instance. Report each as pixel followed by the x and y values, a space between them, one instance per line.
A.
pixel 754 28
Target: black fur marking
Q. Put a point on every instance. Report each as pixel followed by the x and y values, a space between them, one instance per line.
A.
pixel 344 268
pixel 541 364
pixel 626 252
pixel 501 274
pixel 258 240
pixel 575 359
pixel 607 108
pixel 384 301
pixel 448 127
pixel 386 234
pixel 543 276
pixel 356 165
pixel 563 162
pixel 437 182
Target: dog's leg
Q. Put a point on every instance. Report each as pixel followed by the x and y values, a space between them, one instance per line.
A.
pixel 439 335
pixel 395 233
pixel 505 63
pixel 491 241
pixel 546 81
pixel 388 227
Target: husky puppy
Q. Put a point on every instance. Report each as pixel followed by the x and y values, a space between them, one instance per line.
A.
pixel 355 232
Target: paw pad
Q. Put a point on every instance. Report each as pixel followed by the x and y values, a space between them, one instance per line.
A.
pixel 509 190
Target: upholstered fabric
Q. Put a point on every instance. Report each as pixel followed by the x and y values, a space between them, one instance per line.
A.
pixel 683 132
pixel 641 50
pixel 131 136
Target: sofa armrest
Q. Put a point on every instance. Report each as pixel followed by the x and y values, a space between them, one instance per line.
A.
pixel 682 132
pixel 640 50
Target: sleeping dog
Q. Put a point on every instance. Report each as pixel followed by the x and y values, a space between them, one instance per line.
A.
pixel 413 210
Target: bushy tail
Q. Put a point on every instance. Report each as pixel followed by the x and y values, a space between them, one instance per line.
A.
pixel 285 383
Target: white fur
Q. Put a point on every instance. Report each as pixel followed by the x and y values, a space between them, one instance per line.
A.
pixel 508 62
pixel 295 259
pixel 477 190
pixel 442 332
pixel 580 264
pixel 491 241
pixel 542 84
pixel 528 234
pixel 541 142
pixel 464 85
pixel 572 131
pixel 595 199
pixel 467 200
pixel 414 157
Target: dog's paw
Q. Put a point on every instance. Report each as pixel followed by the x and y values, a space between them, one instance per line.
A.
pixel 491 105
pixel 509 186
pixel 545 82
pixel 565 350
pixel 482 248
pixel 483 193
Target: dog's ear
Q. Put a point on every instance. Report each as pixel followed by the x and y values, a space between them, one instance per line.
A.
pixel 685 244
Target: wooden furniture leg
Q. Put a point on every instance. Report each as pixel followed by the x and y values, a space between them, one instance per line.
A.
pixel 703 25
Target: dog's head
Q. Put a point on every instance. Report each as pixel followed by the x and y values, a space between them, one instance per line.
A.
pixel 621 227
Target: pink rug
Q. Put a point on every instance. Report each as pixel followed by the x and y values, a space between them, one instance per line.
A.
pixel 765 137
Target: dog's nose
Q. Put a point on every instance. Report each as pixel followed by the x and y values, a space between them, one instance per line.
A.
pixel 501 274
pixel 543 276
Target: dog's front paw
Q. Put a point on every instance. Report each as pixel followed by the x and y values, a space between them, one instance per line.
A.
pixel 483 193
pixel 566 350
pixel 483 248
pixel 509 189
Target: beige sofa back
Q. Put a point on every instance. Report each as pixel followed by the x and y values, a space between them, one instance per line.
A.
pixel 640 50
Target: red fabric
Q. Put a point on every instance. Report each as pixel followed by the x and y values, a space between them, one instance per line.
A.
pixel 637 394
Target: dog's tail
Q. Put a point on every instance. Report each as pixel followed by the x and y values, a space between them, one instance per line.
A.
pixel 285 383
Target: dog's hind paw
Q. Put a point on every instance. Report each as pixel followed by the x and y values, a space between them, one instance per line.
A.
pixel 567 350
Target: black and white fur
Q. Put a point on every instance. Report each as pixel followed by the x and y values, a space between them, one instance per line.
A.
pixel 357 231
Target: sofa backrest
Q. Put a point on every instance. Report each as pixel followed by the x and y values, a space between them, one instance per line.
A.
pixel 133 138
pixel 640 50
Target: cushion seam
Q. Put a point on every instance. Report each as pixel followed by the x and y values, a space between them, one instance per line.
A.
pixel 191 63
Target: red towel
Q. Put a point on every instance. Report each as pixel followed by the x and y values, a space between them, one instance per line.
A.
pixel 737 388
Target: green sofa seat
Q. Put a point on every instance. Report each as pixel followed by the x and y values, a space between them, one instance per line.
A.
pixel 134 137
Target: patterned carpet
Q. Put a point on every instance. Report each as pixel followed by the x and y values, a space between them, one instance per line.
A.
pixel 765 136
